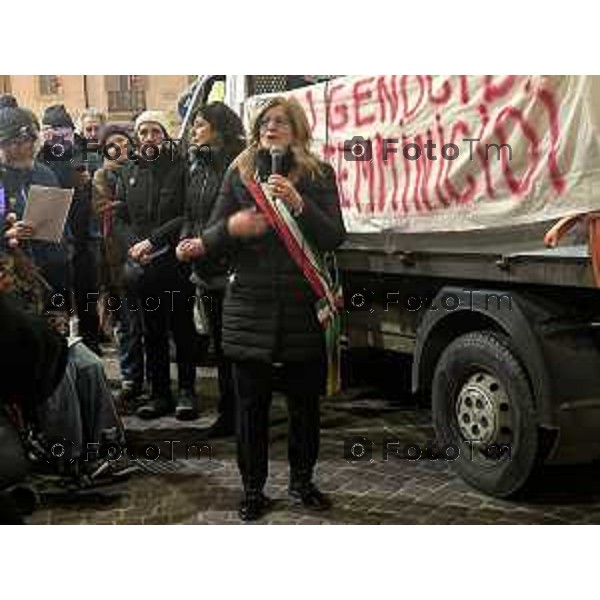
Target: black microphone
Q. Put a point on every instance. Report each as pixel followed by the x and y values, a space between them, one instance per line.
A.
pixel 277 156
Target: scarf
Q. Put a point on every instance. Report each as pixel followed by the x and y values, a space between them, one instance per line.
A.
pixel 313 267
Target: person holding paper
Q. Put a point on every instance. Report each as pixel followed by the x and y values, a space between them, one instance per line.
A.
pixel 19 170
pixel 81 409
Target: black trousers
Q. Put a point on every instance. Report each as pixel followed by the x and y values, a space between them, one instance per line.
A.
pixel 85 257
pixel 14 465
pixel 302 384
pixel 165 312
pixel 226 407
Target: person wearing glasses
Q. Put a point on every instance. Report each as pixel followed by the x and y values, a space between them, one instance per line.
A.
pixel 279 304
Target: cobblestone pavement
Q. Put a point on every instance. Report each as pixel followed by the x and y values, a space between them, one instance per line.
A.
pixel 202 490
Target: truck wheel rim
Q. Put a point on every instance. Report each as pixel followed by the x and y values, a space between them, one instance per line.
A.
pixel 483 411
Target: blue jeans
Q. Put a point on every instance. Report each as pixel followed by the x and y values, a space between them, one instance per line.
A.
pixel 130 340
pixel 81 408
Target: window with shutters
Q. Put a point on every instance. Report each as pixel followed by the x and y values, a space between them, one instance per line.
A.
pixel 49 85
pixel 126 93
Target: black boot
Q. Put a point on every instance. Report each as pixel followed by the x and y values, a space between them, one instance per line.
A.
pixel 307 495
pixel 254 505
pixel 187 408
pixel 156 407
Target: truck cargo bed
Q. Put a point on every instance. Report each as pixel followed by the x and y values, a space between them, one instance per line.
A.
pixel 501 255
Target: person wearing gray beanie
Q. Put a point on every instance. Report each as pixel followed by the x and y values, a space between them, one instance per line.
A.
pixel 17 124
pixel 71 412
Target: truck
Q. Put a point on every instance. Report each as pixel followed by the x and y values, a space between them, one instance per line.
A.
pixel 445 261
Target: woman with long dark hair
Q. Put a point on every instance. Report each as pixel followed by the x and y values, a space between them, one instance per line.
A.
pixel 280 305
pixel 217 138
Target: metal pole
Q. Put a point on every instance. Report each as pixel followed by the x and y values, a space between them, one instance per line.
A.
pixel 86 97
pixel 197 87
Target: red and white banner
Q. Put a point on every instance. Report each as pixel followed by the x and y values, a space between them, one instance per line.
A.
pixel 457 153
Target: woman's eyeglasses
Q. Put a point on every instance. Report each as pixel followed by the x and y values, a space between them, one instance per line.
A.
pixel 276 122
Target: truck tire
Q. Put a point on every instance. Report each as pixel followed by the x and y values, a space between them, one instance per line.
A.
pixel 483 407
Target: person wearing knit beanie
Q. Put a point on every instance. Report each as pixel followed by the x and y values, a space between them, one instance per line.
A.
pixel 57 117
pixel 116 134
pixel 152 129
pixel 58 130
pixel 18 134
pixel 153 188
pixel 17 123
pixel 167 122
pixel 110 129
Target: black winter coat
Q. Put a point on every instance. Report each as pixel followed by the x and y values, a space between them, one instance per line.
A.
pixel 202 191
pixel 34 357
pixel 51 258
pixel 150 199
pixel 269 308
pixel 151 195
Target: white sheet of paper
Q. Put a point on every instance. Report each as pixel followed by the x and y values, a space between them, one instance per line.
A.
pixel 46 209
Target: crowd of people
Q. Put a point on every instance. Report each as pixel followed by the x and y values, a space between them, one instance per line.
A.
pixel 168 249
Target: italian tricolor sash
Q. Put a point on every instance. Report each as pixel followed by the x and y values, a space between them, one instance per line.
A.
pixel 313 267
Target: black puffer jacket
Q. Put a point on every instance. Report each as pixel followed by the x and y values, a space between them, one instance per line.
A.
pixel 269 312
pixel 151 195
pixel 150 199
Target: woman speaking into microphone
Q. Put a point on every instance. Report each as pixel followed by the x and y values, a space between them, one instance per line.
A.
pixel 281 305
